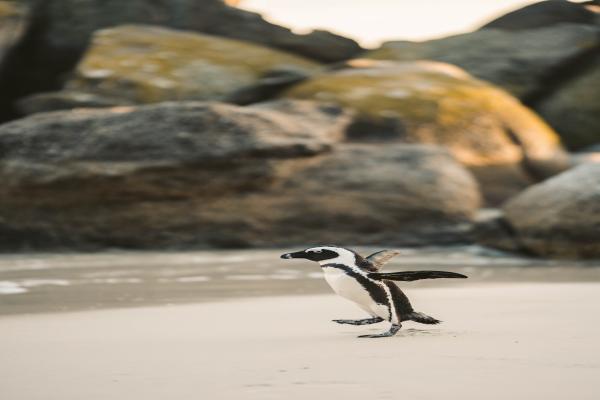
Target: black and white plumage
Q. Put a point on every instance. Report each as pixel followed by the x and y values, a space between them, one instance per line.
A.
pixel 358 279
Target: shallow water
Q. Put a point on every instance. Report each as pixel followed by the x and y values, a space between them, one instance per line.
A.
pixel 67 282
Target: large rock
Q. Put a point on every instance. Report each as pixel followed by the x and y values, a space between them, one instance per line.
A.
pixel 210 174
pixel 147 64
pixel 358 194
pixel 50 147
pixel 545 54
pixel 524 62
pixel 544 13
pixel 574 110
pixel 401 194
pixel 561 216
pixel 59 32
pixel 506 145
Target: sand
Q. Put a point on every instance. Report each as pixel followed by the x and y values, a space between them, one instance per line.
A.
pixel 498 341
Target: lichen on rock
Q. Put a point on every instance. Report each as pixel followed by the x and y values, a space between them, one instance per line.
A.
pixel 503 142
pixel 146 64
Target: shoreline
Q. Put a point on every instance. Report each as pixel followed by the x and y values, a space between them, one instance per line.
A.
pixel 31 284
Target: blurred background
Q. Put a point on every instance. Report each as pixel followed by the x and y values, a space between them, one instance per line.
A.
pixel 183 126
pixel 158 156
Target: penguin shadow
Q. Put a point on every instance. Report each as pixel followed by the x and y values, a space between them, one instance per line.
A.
pixel 412 332
pixel 421 332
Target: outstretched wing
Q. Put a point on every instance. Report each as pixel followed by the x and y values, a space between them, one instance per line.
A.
pixel 414 275
pixel 379 259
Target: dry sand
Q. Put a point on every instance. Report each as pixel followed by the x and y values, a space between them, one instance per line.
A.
pixel 499 341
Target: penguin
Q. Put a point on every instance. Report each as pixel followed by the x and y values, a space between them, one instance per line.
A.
pixel 359 280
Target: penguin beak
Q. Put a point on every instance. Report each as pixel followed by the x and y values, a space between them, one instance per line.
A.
pixel 298 254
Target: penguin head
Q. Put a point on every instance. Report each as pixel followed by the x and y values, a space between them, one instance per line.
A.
pixel 319 254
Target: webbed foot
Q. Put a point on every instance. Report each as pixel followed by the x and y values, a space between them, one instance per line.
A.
pixel 393 330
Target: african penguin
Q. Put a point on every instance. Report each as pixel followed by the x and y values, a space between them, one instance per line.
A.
pixel 358 279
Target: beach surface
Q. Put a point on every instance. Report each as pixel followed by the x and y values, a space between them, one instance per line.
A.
pixel 518 341
pixel 208 325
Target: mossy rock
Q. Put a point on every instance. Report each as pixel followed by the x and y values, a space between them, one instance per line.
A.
pixel 505 144
pixel 518 61
pixel 147 64
pixel 574 110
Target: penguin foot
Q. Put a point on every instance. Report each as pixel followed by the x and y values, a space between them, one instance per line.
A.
pixel 393 330
pixel 365 321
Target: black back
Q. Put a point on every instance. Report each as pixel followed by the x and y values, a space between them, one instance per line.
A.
pixel 399 300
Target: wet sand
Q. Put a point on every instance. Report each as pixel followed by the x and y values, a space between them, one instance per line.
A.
pixel 499 341
pixel 38 283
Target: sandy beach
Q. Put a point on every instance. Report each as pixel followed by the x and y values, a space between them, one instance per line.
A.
pixel 498 341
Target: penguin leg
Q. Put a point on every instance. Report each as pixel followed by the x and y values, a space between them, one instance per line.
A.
pixel 393 330
pixel 365 321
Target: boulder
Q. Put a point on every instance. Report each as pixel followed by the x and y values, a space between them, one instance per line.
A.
pixel 574 109
pixel 60 145
pixel 137 177
pixel 505 144
pixel 546 54
pixel 560 217
pixel 59 31
pixel 398 194
pixel 191 174
pixel 524 62
pixel 145 64
pixel 544 13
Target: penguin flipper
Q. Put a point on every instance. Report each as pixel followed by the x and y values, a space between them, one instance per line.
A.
pixel 408 276
pixel 379 259
pixel 366 321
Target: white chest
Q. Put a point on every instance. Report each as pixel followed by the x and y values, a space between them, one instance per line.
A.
pixel 349 288
pixel 345 285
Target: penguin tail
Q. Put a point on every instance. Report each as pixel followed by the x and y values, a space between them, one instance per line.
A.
pixel 422 318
